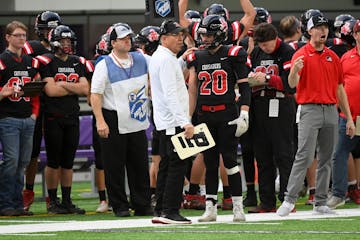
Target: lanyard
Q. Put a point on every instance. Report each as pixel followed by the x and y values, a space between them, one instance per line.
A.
pixel 128 74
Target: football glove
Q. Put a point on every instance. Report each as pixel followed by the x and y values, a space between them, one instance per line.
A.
pixel 242 123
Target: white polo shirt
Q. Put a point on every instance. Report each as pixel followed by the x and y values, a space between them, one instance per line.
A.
pixel 168 90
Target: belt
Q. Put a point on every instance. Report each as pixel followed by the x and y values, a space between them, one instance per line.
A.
pixel 270 93
pixel 214 108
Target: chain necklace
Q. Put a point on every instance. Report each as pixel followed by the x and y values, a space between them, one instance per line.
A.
pixel 128 73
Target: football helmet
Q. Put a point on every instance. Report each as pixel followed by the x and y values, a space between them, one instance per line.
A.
pixel 62 32
pixel 262 16
pixel 343 27
pixel 149 36
pixel 46 21
pixel 304 18
pixel 192 16
pixel 214 25
pixel 217 9
pixel 103 46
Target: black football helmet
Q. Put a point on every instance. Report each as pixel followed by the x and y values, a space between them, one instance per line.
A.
pixel 62 32
pixel 192 16
pixel 262 16
pixel 343 27
pixel 304 18
pixel 217 9
pixel 150 37
pixel 46 21
pixel 214 25
pixel 103 46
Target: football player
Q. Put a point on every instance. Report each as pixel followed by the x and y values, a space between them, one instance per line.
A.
pixel 65 77
pixel 44 22
pixel 214 72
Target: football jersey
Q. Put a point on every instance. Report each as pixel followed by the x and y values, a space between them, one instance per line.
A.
pixel 16 72
pixel 338 45
pixel 235 30
pixel 35 48
pixel 277 63
pixel 70 70
pixel 217 74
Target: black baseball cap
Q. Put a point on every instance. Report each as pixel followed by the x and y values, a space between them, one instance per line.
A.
pixel 317 20
pixel 171 26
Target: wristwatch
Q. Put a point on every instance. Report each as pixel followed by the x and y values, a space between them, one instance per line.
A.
pixel 267 77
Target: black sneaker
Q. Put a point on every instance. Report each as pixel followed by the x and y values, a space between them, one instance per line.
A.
pixel 56 208
pixel 173 218
pixel 250 200
pixel 72 208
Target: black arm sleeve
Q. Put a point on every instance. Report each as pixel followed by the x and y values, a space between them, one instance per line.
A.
pixel 244 90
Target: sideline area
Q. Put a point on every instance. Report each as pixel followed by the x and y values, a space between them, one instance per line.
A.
pixel 31 226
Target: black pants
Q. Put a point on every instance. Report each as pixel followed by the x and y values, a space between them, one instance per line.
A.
pixel 226 145
pixel 273 145
pixel 120 151
pixel 170 180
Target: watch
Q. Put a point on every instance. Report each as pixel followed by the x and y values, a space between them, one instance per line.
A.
pixel 267 77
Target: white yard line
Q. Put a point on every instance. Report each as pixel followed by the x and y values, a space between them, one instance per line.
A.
pixel 136 223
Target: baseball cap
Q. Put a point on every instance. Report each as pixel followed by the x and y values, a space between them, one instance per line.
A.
pixel 356 26
pixel 121 31
pixel 317 20
pixel 170 26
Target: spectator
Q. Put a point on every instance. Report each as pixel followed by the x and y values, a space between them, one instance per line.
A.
pixel 17 119
pixel 317 112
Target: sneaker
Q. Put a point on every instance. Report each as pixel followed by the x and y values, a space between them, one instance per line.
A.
pixel 103 207
pixel 227 204
pixel 28 198
pixel 261 209
pixel 334 202
pixel 196 202
pixel 355 195
pixel 285 209
pixel 173 218
pixel 156 218
pixel 56 208
pixel 320 210
pixel 238 210
pixel 122 213
pixel 311 200
pixel 250 200
pixel 72 208
pixel 210 213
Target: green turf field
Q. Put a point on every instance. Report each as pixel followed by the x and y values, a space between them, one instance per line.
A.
pixel 336 228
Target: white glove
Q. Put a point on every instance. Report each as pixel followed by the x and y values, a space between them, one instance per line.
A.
pixel 242 123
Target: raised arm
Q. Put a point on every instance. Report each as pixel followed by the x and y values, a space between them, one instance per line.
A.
pixel 249 15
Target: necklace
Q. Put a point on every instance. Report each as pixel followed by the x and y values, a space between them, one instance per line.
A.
pixel 128 73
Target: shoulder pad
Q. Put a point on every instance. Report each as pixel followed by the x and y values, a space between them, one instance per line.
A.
pixel 234 51
pixel 45 59
pixel 89 66
pixel 2 65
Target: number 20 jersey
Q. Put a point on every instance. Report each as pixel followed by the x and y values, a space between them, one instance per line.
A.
pixel 217 73
pixel 70 70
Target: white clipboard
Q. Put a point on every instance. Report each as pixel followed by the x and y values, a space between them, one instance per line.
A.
pixel 201 141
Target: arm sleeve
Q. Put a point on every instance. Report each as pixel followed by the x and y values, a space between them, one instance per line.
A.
pixel 99 78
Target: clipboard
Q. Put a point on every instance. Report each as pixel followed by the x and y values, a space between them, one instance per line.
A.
pixel 33 89
pixel 201 141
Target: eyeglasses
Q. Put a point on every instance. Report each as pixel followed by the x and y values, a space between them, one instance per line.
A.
pixel 19 35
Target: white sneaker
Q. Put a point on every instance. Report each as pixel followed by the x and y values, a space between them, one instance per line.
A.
pixel 285 209
pixel 210 213
pixel 103 207
pixel 238 210
pixel 335 202
pixel 320 210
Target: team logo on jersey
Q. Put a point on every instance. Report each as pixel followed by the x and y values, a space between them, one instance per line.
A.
pixel 162 7
pixel 137 104
pixel 329 59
